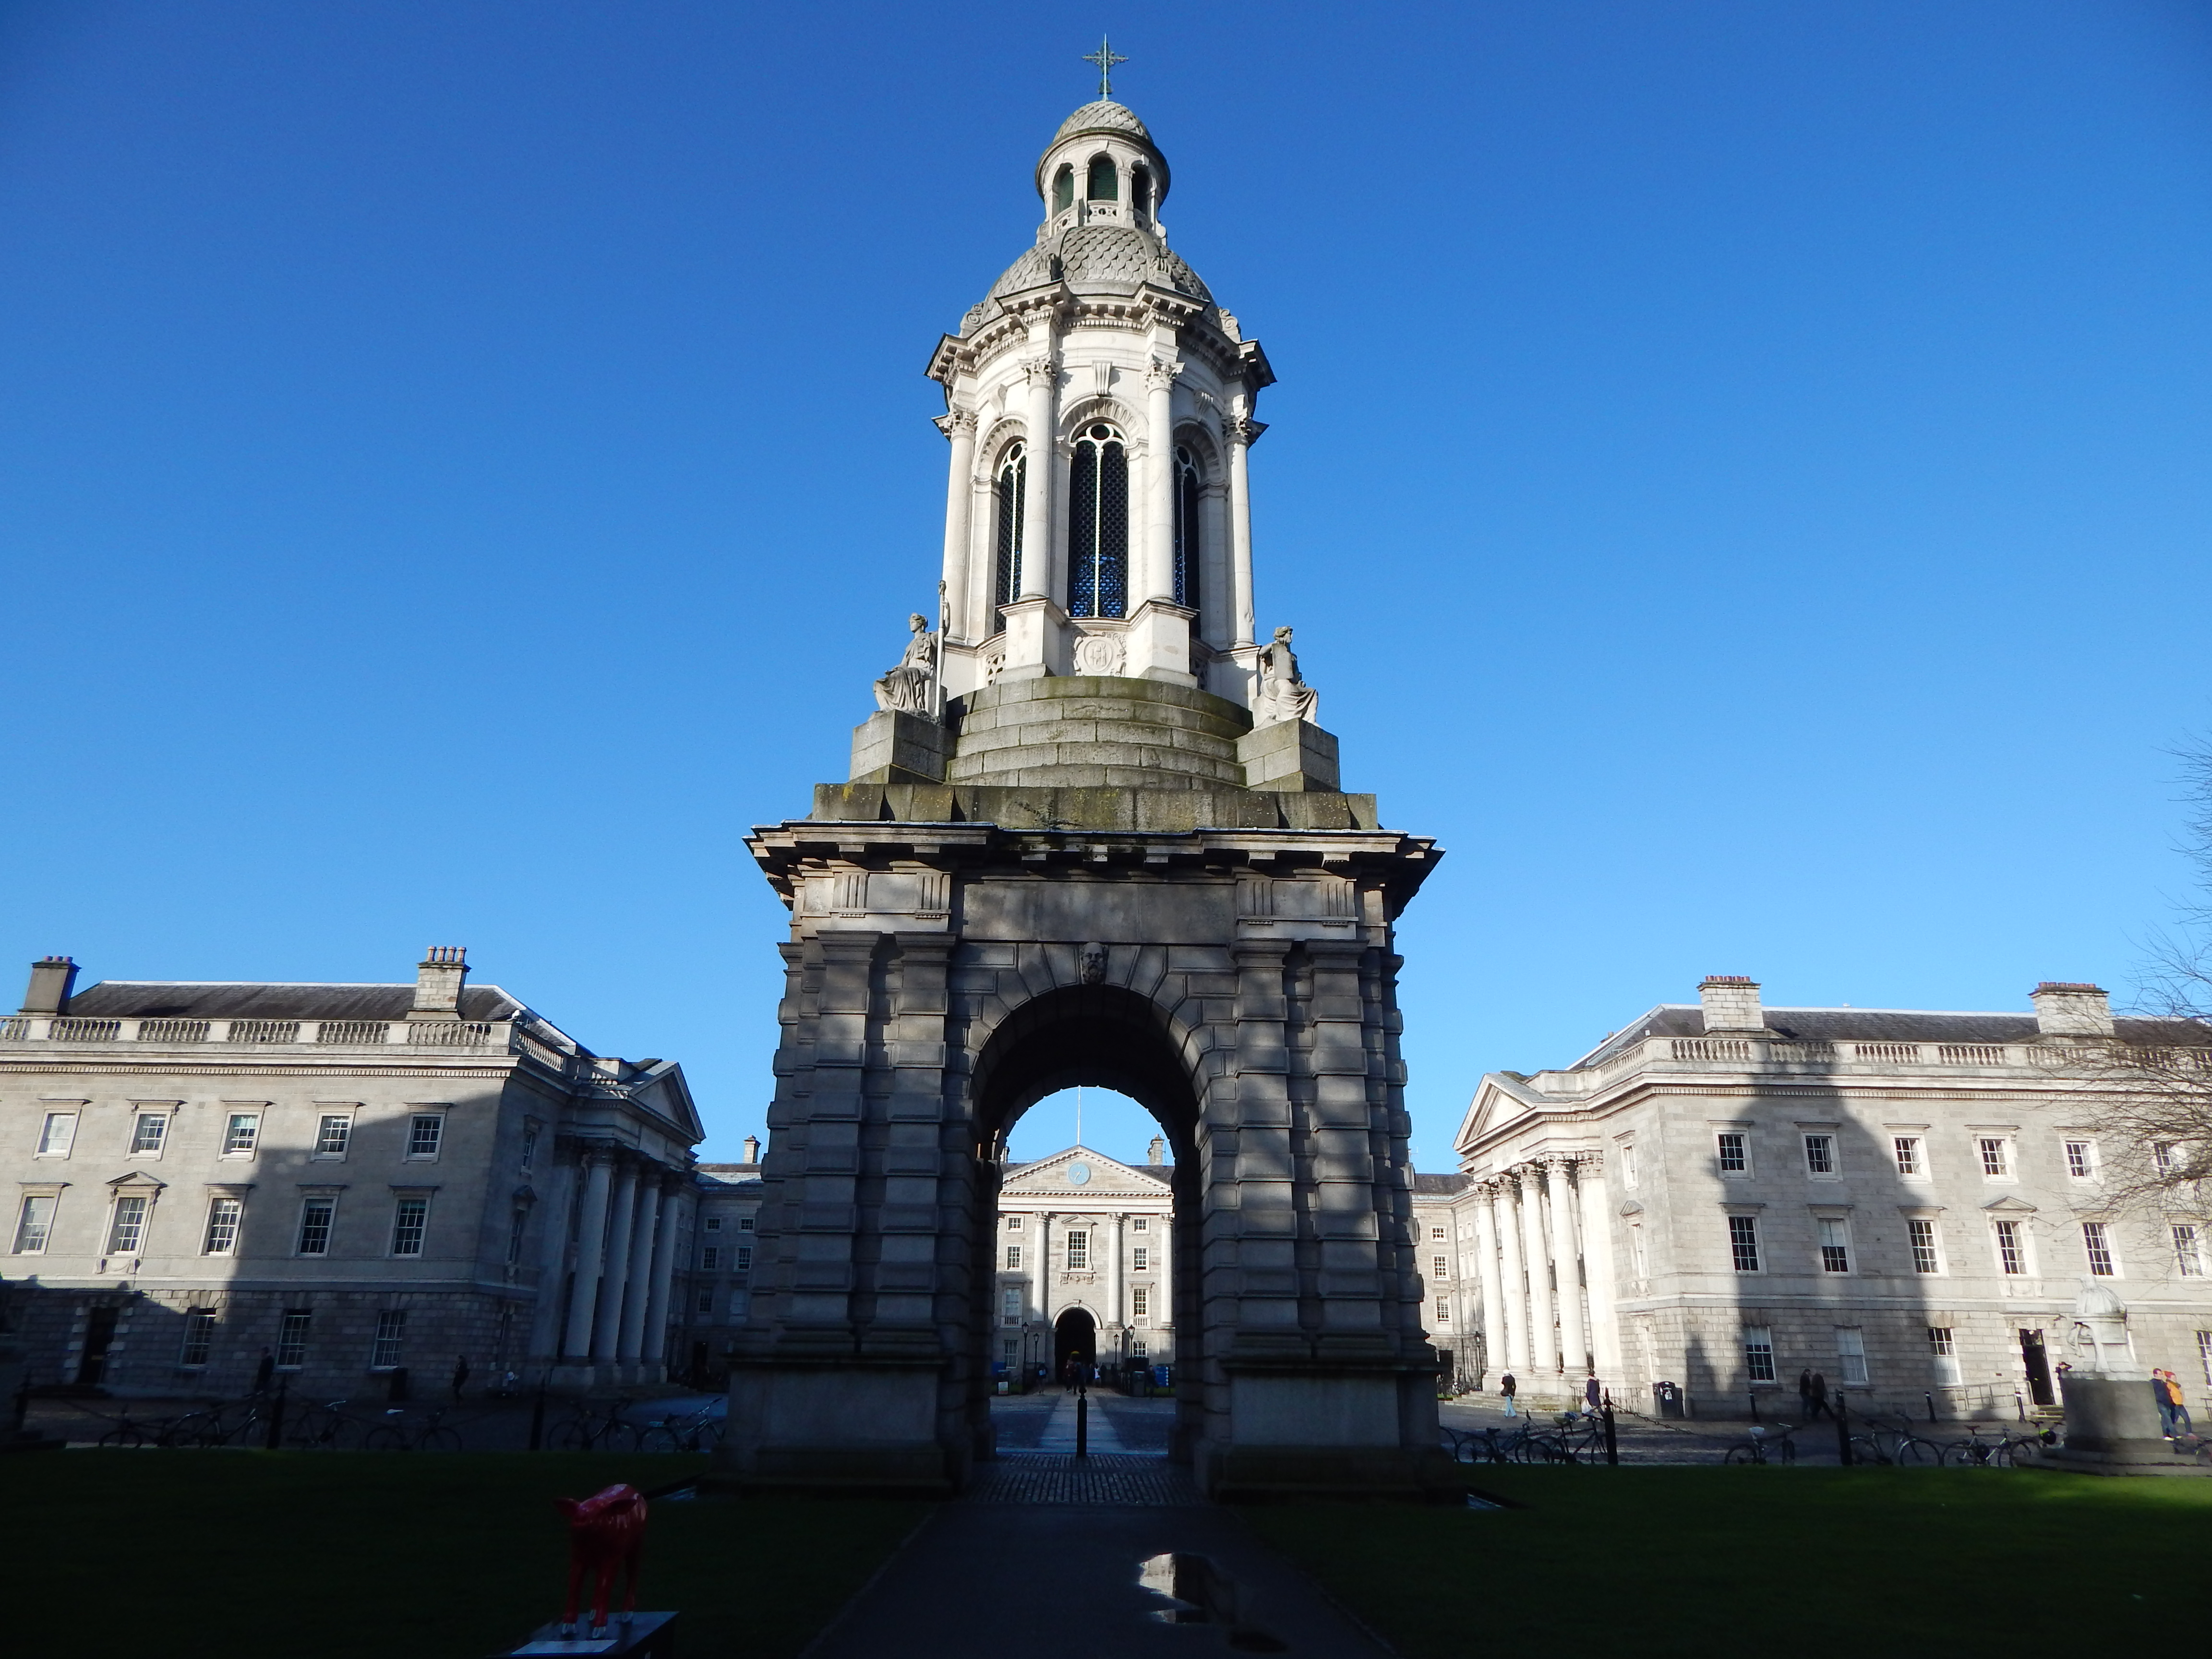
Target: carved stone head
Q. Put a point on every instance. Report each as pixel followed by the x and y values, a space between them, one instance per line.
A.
pixel 1094 963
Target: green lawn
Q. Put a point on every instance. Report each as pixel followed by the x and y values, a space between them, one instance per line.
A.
pixel 1798 1562
pixel 243 1554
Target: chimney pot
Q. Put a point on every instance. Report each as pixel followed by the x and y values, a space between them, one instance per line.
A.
pixel 1157 1152
pixel 438 980
pixel 1731 1003
pixel 752 1149
pixel 2070 1008
pixel 53 981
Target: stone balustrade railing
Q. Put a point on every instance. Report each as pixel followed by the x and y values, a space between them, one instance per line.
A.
pixel 35 1029
pixel 1778 1054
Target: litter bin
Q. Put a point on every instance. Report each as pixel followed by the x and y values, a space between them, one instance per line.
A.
pixel 1667 1399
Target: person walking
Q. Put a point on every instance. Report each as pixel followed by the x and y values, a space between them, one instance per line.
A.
pixel 460 1376
pixel 1818 1405
pixel 1505 1390
pixel 264 1372
pixel 1805 1395
pixel 1593 1396
pixel 2173 1412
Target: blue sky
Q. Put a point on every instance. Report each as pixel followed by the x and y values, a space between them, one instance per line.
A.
pixel 1738 474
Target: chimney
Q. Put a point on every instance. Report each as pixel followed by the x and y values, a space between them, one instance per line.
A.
pixel 752 1149
pixel 1157 1152
pixel 1731 1003
pixel 2062 1009
pixel 52 978
pixel 438 979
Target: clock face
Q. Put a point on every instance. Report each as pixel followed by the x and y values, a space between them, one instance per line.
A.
pixel 1078 1173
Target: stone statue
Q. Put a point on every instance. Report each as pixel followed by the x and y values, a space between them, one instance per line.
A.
pixel 911 688
pixel 2100 1331
pixel 1283 695
pixel 1094 965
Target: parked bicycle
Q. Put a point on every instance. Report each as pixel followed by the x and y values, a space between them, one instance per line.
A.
pixel 326 1428
pixel 1896 1444
pixel 594 1428
pixel 1766 1445
pixel 691 1432
pixel 1995 1453
pixel 430 1435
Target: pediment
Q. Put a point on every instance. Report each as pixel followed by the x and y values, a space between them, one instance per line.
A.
pixel 137 1181
pixel 1057 1175
pixel 2009 1204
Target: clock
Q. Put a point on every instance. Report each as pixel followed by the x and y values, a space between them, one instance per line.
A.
pixel 1079 1174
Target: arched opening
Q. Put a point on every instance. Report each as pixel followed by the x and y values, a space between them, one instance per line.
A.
pixel 1190 487
pixel 1082 1257
pixel 1099 524
pixel 1011 489
pixel 1063 189
pixel 1105 183
pixel 1074 1345
pixel 1140 192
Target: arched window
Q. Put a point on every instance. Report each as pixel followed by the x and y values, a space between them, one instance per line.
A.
pixel 1105 186
pixel 1063 189
pixel 1141 190
pixel 1190 484
pixel 1012 489
pixel 1098 525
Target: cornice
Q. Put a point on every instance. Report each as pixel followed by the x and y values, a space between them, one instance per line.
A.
pixel 154 1068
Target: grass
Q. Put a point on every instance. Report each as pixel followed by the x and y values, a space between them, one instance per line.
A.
pixel 241 1554
pixel 1804 1562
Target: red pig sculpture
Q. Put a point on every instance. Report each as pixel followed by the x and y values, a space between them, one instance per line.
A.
pixel 605 1531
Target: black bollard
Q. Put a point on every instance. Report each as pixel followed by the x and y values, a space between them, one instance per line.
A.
pixel 1843 1430
pixel 276 1413
pixel 1930 1399
pixel 538 1419
pixel 1754 1405
pixel 1611 1445
pixel 1082 1423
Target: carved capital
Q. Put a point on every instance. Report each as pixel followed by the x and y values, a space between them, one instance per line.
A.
pixel 1241 432
pixel 956 422
pixel 1041 372
pixel 1161 376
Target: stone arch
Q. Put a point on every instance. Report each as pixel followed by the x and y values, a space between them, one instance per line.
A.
pixel 1097 406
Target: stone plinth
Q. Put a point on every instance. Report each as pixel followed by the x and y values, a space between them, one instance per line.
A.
pixel 1289 754
pixel 1082 731
pixel 2112 1428
pixel 893 747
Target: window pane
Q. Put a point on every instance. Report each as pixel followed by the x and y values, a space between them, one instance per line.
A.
pixel 57 1134
pixel 1732 1154
pixel 1140 1258
pixel 315 1217
pixel 2096 1241
pixel 199 1337
pixel 1758 1353
pixel 1079 1250
pixel 1851 1351
pixel 1743 1243
pixel 1923 1237
pixel 408 1220
pixel 1104 182
pixel 2184 1252
pixel 128 1227
pixel 153 1128
pixel 332 1136
pixel 292 1339
pixel 1820 1154
pixel 1995 1158
pixel 2077 1158
pixel 1011 491
pixel 1909 1161
pixel 390 1332
pixel 222 1226
pixel 424 1136
pixel 1835 1248
pixel 244 1130
pixel 35 1225
pixel 2012 1250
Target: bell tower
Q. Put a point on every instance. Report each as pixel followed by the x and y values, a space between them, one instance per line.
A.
pixel 1093 834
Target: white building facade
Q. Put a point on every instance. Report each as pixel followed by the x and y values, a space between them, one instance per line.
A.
pixel 1083 1264
pixel 351 1179
pixel 1726 1195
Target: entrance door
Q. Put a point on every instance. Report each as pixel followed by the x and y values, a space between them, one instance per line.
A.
pixel 2037 1366
pixel 98 1337
pixel 1074 1336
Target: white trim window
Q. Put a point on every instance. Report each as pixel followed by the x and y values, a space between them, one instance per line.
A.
pixel 57 1134
pixel 710 1258
pixel 224 1218
pixel 1850 1355
pixel 2081 1159
pixel 1743 1243
pixel 1436 1233
pixel 1140 1303
pixel 2204 1354
pixel 1010 1305
pixel 333 1134
pixel 148 1134
pixel 2188 1249
pixel 745 1224
pixel 426 1132
pixel 1996 1154
pixel 1079 1250
pixel 1628 1164
pixel 410 1220
pixel 34 1223
pixel 1835 1244
pixel 316 1218
pixel 2097 1246
pixel 1926 1244
pixel 1732 1152
pixel 742 1263
pixel 1943 1353
pixel 391 1334
pixel 1636 1256
pixel 1443 1266
pixel 1758 1353
pixel 1820 1155
pixel 241 1134
pixel 199 1338
pixel 1013 1258
pixel 292 1339
pixel 707 1300
pixel 126 1226
pixel 1014 1223
pixel 1140 1259
pixel 1444 1313
pixel 2012 1242
pixel 1910 1152
pixel 1138 1225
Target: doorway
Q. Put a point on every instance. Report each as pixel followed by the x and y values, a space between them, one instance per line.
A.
pixel 99 1338
pixel 2037 1363
pixel 1074 1336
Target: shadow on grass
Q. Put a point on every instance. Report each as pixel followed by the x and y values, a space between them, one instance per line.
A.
pixel 1802 1561
pixel 242 1554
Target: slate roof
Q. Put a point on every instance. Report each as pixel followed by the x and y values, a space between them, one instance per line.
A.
pixel 1439 1186
pixel 1103 115
pixel 1884 1025
pixel 211 999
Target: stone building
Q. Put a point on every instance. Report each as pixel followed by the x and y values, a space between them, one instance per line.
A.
pixel 1093 834
pixel 1724 1196
pixel 355 1178
pixel 1083 1263
pixel 714 1292
pixel 1453 1316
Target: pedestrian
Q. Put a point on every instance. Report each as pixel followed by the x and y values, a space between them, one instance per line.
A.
pixel 1593 1396
pixel 460 1376
pixel 2172 1410
pixel 1819 1400
pixel 1505 1389
pixel 1805 1395
pixel 265 1372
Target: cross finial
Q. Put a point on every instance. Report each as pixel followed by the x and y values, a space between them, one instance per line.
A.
pixel 1105 57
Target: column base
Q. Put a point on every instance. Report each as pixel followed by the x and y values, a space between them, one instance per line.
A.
pixel 1357 1432
pixel 1155 644
pixel 1289 755
pixel 839 1427
pixel 892 746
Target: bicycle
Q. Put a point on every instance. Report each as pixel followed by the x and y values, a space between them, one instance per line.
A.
pixel 694 1431
pixel 1759 1449
pixel 431 1436
pixel 326 1428
pixel 1903 1449
pixel 1976 1453
pixel 603 1429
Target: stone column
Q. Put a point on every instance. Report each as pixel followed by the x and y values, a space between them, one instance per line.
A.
pixel 1158 574
pixel 1543 1339
pixel 606 1322
pixel 1242 434
pixel 590 1252
pixel 674 1207
pixel 628 1341
pixel 1574 1347
pixel 959 425
pixel 552 1258
pixel 1116 1309
pixel 1597 1256
pixel 1513 1304
pixel 1039 580
pixel 1042 1275
pixel 1494 1344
